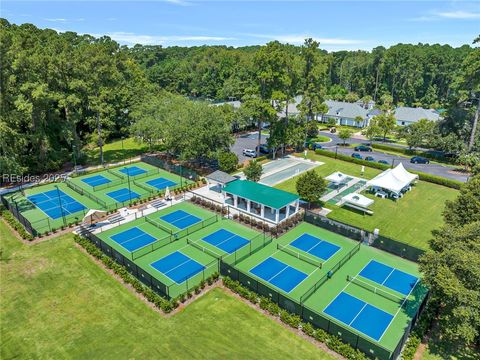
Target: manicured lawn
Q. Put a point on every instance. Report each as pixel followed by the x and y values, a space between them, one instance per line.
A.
pixel 410 219
pixel 58 303
pixel 112 152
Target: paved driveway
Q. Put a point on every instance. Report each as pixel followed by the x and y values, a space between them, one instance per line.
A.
pixel 246 141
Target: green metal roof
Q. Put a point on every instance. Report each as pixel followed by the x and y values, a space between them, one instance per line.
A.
pixel 260 193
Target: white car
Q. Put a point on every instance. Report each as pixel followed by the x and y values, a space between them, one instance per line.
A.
pixel 249 153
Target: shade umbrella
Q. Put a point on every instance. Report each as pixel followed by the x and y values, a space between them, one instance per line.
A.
pixel 167 193
pixel 94 215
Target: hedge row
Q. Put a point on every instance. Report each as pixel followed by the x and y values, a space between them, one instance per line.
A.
pixel 14 223
pixel 454 184
pixel 332 342
pixel 411 152
pixel 160 302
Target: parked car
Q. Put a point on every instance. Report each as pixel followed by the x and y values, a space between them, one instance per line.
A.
pixel 249 153
pixel 419 160
pixel 369 158
pixel 383 162
pixel 263 149
pixel 357 156
pixel 363 148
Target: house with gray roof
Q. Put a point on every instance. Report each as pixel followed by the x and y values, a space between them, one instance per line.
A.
pixel 408 115
pixel 345 113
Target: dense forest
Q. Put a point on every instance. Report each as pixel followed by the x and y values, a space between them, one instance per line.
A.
pixel 63 91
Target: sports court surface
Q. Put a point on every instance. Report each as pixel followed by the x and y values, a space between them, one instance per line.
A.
pixel 133 239
pixel 226 240
pixel 56 204
pixel 178 267
pixel 96 180
pixel 160 183
pixel 277 171
pixel 132 170
pixel 123 194
pixel 180 219
pixel 368 293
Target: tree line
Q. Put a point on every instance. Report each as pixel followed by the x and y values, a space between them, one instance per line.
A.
pixel 62 91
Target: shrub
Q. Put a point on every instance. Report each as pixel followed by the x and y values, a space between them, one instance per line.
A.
pixel 227 161
pixel 160 302
pixel 15 224
pixel 308 329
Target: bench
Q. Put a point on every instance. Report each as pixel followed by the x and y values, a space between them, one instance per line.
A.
pixel 353 206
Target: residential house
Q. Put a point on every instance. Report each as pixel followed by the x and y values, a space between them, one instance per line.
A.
pixel 408 115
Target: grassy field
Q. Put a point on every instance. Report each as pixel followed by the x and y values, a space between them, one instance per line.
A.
pixel 405 220
pixel 112 151
pixel 57 303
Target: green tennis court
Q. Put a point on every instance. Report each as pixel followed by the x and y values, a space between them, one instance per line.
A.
pixel 343 292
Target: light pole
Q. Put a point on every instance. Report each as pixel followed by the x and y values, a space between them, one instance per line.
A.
pixel 74 148
pixel 61 207
pixel 123 152
pixel 129 191
pixel 336 151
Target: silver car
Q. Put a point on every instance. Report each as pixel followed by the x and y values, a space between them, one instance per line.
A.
pixel 249 153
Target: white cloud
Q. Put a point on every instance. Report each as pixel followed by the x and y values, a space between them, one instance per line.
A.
pixel 300 39
pixel 459 14
pixel 63 20
pixel 179 2
pixel 132 38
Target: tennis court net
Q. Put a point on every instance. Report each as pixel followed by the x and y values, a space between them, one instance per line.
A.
pixel 115 173
pixel 204 249
pixel 387 295
pixel 158 225
pixel 303 257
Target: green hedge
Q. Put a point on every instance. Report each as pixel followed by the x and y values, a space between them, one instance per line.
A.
pixel 411 152
pixel 333 342
pixel 160 302
pixel 454 184
pixel 14 223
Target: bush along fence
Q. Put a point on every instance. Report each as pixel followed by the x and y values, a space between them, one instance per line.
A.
pixel 15 224
pixel 168 291
pixel 244 217
pixel 165 305
pixel 381 242
pixel 294 320
pixel 454 184
pixel 170 167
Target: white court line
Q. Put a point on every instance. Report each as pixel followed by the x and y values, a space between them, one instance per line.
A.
pixel 391 272
pixel 363 307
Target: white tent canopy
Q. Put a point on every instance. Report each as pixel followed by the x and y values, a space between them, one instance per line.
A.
pixel 393 180
pixel 358 200
pixel 337 177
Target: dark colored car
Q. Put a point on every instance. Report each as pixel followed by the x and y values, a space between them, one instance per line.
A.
pixel 363 148
pixel 419 160
pixel 263 149
pixel 357 156
pixel 383 162
pixel 369 158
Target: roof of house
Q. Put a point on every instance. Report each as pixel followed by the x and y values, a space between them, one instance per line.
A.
pixel 221 177
pixel 292 107
pixel 235 103
pixel 260 193
pixel 345 109
pixel 403 113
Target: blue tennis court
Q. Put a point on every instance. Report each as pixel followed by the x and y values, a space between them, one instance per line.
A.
pixel 389 277
pixel 133 239
pixel 180 219
pixel 279 274
pixel 178 267
pixel 359 315
pixel 55 203
pixel 132 171
pixel 96 180
pixel 123 195
pixel 315 246
pixel 226 240
pixel 161 183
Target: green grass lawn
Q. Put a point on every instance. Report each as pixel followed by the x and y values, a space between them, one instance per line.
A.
pixel 112 151
pixel 410 219
pixel 57 303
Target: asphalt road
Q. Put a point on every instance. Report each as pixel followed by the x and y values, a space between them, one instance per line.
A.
pixel 446 171
pixel 249 141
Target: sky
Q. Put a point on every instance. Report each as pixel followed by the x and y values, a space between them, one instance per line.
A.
pixel 337 25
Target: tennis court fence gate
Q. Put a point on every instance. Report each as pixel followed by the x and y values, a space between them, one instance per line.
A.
pixel 381 242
